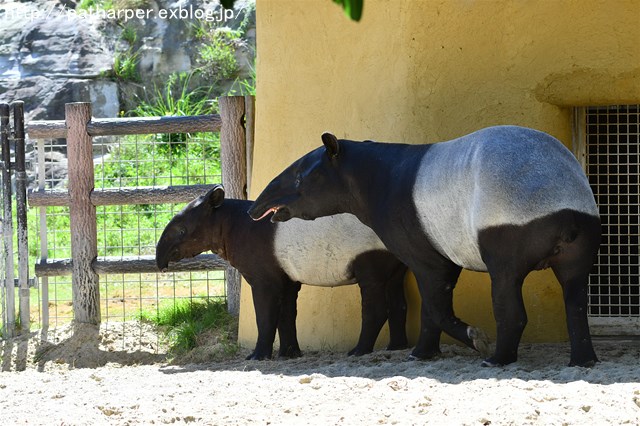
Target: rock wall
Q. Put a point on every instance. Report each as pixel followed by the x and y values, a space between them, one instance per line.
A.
pixel 52 54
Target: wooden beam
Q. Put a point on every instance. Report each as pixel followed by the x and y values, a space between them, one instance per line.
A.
pixel 123 196
pixel 129 126
pixel 132 265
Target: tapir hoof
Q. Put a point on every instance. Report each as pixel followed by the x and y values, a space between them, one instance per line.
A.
pixel 357 351
pixel 480 340
pixel 397 347
pixel 500 361
pixel 491 364
pixel 290 353
pixel 256 356
pixel 586 362
pixel 423 356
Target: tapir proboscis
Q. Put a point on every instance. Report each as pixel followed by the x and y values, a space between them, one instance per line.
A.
pixel 506 200
pixel 276 258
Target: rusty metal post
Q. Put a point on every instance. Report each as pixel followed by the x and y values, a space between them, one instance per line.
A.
pixel 21 215
pixel 7 228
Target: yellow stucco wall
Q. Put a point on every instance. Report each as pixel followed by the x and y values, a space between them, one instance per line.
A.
pixel 420 72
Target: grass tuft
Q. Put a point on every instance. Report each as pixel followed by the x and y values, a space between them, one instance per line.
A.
pixel 189 325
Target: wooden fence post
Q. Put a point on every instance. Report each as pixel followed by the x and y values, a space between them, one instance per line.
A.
pixel 84 246
pixel 233 155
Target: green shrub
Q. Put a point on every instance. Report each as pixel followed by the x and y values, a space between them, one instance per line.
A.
pixel 216 54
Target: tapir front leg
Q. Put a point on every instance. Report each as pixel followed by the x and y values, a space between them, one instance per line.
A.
pixel 428 345
pixel 436 287
pixel 267 304
pixel 289 347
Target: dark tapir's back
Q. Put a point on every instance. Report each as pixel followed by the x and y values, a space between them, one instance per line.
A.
pixel 504 175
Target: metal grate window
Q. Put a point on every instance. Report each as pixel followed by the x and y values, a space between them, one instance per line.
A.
pixel 612 160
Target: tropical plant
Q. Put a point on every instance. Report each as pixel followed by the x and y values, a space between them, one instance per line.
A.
pixel 125 66
pixel 175 98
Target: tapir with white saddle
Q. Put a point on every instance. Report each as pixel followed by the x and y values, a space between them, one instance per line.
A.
pixel 506 200
pixel 275 258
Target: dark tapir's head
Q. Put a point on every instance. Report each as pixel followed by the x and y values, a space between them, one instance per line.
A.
pixel 309 188
pixel 189 233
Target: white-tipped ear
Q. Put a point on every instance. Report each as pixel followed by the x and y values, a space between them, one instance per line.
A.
pixel 331 144
pixel 216 196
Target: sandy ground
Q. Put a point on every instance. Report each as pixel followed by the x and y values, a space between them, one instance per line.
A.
pixel 109 380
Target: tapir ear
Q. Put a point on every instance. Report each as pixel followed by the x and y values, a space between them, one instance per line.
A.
pixel 216 196
pixel 331 144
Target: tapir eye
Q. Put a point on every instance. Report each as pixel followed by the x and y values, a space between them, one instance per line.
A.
pixel 182 232
pixel 298 181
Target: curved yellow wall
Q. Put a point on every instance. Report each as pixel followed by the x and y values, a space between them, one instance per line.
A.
pixel 420 72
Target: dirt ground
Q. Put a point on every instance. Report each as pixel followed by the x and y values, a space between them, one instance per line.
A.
pixel 120 375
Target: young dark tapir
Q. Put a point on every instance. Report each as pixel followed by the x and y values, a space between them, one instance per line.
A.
pixel 507 200
pixel 276 258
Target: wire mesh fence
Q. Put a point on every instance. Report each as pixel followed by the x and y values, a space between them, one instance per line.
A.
pixel 613 167
pixel 123 230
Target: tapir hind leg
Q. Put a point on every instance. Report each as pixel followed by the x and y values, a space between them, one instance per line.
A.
pixel 397 309
pixel 574 288
pixel 374 315
pixel 509 312
pixel 381 279
pixel 572 267
pixel 566 241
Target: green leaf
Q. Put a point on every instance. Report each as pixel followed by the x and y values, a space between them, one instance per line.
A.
pixel 227 4
pixel 352 8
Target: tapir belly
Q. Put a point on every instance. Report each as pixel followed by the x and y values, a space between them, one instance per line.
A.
pixel 321 252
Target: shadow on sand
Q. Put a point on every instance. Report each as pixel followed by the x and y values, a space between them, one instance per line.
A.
pixel 620 363
pixel 82 349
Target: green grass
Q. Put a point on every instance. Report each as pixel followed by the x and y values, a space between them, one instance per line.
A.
pixel 191 324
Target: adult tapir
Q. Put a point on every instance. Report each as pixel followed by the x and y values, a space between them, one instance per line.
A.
pixel 276 258
pixel 505 199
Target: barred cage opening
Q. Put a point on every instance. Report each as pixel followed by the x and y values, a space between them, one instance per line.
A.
pixel 612 157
